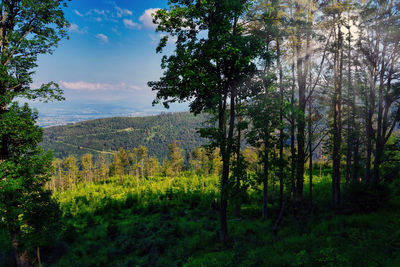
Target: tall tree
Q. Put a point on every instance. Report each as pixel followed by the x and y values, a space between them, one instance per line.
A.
pixel 87 167
pixel 23 176
pixel 71 170
pixel 175 158
pixel 27 29
pixel 211 57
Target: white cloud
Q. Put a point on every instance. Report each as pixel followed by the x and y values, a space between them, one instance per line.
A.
pixel 90 86
pixel 75 28
pixel 130 24
pixel 122 12
pixel 99 12
pixel 147 19
pixel 102 37
pixel 78 13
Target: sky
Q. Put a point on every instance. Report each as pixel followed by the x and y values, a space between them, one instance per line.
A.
pixel 107 61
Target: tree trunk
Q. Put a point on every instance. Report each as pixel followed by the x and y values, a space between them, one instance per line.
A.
pixel 265 182
pixel 310 136
pixel 237 204
pixel 337 120
pixel 21 257
pixel 226 149
pixel 350 111
pixel 38 256
pixel 292 137
pixel 281 128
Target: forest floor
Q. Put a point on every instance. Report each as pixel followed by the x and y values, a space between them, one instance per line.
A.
pixel 162 224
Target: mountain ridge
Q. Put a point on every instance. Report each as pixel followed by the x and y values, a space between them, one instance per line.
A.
pixel 107 135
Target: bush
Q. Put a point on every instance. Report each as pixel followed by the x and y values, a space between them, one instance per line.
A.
pixel 363 197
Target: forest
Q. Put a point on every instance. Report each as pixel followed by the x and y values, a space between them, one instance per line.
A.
pixel 109 134
pixel 301 161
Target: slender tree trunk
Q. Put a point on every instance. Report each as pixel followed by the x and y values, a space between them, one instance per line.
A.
pixel 380 135
pixel 265 181
pixel 292 137
pixel 310 136
pixel 273 178
pixel 369 136
pixel 237 204
pixel 355 134
pixel 281 128
pixel 350 125
pixel 38 256
pixel 337 120
pixel 226 149
pixel 302 59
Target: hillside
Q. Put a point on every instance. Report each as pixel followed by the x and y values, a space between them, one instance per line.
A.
pixel 109 134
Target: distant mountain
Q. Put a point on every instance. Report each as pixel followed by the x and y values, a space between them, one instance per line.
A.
pixel 109 134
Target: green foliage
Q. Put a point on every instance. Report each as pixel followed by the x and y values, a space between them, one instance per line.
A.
pixel 30 28
pixel 26 210
pixel 366 197
pixel 110 134
pixel 172 222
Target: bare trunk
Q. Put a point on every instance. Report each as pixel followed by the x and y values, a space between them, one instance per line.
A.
pixel 265 182
pixel 310 136
pixel 38 256
pixel 337 121
pixel 292 138
pixel 350 110
pixel 281 128
pixel 237 204
pixel 226 149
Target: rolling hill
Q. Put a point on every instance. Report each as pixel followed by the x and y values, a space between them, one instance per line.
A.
pixel 109 134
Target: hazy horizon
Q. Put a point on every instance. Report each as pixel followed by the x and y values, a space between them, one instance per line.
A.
pixel 105 65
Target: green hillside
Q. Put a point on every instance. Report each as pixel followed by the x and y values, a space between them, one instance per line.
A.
pixel 109 134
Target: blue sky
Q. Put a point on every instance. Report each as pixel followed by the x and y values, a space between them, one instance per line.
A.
pixel 108 59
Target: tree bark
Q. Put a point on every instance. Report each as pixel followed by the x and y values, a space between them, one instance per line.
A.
pixel 350 111
pixel 310 135
pixel 21 257
pixel 292 137
pixel 337 120
pixel 281 128
pixel 265 181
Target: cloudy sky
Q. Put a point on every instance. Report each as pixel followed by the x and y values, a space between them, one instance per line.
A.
pixel 109 57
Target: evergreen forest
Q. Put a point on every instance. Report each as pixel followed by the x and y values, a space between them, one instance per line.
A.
pixel 289 156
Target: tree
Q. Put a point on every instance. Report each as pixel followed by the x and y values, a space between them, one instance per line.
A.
pixel 87 167
pixel 58 174
pixel 101 168
pixel 23 176
pixel 71 170
pixel 27 29
pixel 175 159
pixel 151 167
pixel 379 46
pixel 211 58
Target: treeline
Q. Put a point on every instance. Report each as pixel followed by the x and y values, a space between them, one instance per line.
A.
pixel 311 76
pixel 109 134
pixel 133 163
